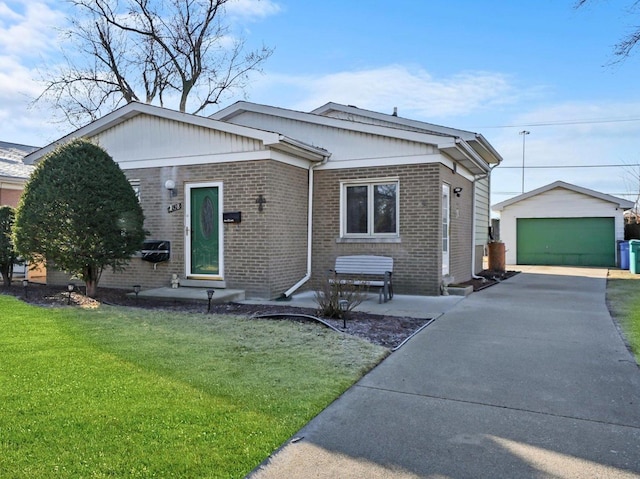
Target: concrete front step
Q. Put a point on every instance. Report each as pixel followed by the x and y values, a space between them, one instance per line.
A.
pixel 192 294
pixel 202 283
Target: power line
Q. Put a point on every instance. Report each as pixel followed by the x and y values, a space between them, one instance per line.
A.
pixel 551 167
pixel 566 122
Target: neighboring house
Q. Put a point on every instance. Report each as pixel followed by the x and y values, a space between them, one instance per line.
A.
pixel 14 174
pixel 562 224
pixel 263 199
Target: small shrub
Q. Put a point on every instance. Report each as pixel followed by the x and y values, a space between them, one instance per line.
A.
pixel 332 291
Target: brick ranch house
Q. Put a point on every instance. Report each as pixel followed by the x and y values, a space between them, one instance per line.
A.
pixel 264 199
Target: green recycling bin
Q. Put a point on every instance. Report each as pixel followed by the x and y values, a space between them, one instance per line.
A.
pixel 634 256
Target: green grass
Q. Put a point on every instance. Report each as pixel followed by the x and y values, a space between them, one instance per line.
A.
pixel 118 392
pixel 623 300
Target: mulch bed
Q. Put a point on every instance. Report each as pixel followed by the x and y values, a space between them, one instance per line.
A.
pixel 387 331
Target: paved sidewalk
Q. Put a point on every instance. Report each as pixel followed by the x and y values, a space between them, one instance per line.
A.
pixel 526 379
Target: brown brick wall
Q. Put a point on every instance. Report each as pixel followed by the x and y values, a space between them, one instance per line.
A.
pixel 417 258
pixel 9 197
pixel 265 254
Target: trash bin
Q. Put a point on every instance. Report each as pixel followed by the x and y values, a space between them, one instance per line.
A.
pixel 634 256
pixel 623 254
pixel 497 256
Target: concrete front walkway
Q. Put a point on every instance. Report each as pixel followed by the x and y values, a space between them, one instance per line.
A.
pixel 526 379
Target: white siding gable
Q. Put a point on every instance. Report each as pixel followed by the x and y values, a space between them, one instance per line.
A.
pixel 555 203
pixel 146 140
pixel 347 147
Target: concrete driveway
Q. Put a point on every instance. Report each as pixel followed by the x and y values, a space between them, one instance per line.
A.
pixel 526 379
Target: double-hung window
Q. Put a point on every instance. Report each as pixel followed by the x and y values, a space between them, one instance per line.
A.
pixel 370 208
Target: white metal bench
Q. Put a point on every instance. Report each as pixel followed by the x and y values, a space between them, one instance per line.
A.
pixel 366 269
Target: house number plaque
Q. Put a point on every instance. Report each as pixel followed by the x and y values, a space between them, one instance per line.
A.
pixel 174 207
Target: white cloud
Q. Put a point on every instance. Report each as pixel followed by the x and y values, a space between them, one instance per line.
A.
pixel 26 29
pixel 252 9
pixel 415 92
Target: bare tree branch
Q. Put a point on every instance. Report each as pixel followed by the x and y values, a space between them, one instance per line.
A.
pixel 154 50
pixel 624 48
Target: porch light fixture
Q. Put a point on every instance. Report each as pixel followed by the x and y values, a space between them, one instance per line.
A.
pixel 457 190
pixel 70 287
pixel 209 296
pixel 136 289
pixel 344 307
pixel 171 186
pixel 25 283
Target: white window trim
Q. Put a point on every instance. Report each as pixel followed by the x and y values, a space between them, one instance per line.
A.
pixel 135 184
pixel 343 207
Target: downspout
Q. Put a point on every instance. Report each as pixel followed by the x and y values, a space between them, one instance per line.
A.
pixel 287 294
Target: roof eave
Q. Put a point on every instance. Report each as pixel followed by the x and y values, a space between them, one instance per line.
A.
pixel 621 203
pixel 460 151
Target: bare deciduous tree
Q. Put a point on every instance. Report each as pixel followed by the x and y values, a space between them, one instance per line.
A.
pixel 624 47
pixel 149 50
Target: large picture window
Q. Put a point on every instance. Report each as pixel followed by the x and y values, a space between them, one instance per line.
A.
pixel 370 208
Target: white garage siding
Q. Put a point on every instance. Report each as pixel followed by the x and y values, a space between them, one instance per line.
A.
pixel 555 203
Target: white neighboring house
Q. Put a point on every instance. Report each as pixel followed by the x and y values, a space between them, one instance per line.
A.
pixel 562 224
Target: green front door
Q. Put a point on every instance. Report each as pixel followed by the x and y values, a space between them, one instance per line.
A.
pixel 204 231
pixel 566 241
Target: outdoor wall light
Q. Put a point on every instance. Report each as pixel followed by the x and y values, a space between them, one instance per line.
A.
pixel 25 283
pixel 70 287
pixel 344 307
pixel 209 296
pixel 171 186
pixel 457 190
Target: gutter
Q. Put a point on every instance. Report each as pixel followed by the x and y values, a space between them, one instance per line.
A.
pixel 287 294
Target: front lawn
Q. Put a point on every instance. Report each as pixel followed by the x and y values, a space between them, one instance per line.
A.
pixel 623 300
pixel 123 392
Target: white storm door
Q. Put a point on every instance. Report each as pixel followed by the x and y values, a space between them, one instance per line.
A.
pixel 446 220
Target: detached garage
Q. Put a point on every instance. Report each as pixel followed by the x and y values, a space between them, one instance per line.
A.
pixel 562 224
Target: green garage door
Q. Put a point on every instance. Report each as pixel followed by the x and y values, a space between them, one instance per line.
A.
pixel 566 241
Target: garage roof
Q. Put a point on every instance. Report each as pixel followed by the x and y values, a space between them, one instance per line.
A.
pixel 621 203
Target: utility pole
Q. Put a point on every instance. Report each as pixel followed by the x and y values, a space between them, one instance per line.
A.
pixel 524 134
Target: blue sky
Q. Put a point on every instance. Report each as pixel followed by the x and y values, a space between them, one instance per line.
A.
pixel 495 67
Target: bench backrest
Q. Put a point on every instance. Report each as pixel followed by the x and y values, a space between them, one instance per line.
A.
pixel 362 264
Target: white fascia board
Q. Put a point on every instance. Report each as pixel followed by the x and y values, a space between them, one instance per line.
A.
pixel 622 203
pixel 12 183
pixel 134 108
pixel 299 148
pixel 482 141
pixel 407 122
pixel 218 158
pixel 461 151
pixel 386 131
pixel 396 161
